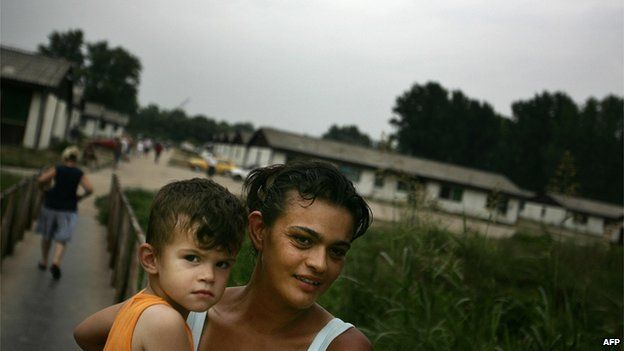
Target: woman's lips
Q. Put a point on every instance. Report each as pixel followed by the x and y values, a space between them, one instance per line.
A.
pixel 308 282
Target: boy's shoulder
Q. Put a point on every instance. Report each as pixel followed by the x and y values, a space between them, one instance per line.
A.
pixel 160 327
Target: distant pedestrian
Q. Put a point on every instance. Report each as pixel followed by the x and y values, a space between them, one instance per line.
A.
pixel 158 148
pixel 59 213
pixel 89 158
pixel 117 152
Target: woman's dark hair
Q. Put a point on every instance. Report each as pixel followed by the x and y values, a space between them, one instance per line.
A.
pixel 267 190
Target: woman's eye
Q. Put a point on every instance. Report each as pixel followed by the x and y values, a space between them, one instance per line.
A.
pixel 223 264
pixel 302 240
pixel 192 258
pixel 338 252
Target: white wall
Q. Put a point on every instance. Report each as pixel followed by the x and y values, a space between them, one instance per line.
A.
pixel 278 158
pixel 30 133
pixel 365 186
pixel 60 121
pixel 260 156
pixel 239 152
pixel 547 214
pixel 594 225
pixel 90 128
pixel 48 122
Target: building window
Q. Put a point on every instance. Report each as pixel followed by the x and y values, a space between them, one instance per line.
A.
pixel 543 214
pixel 497 201
pixel 452 193
pixel 580 218
pixel 115 127
pixel 379 180
pixel 402 185
pixel 352 173
pixel 102 124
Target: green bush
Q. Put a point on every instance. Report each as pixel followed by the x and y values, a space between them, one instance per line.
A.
pixel 28 158
pixel 8 179
pixel 419 287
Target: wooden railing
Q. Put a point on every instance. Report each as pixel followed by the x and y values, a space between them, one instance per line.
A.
pixel 20 205
pixel 124 236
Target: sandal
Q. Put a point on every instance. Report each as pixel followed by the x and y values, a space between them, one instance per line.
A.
pixel 41 266
pixel 56 272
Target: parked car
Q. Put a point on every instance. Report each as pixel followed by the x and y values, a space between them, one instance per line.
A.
pixel 198 164
pixel 222 167
pixel 241 173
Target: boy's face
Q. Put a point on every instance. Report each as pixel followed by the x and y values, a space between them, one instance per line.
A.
pixel 191 278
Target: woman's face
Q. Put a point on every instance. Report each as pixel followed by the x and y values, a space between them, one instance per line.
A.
pixel 304 251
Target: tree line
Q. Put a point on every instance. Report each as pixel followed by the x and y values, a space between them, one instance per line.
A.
pixel 549 144
pixel 176 125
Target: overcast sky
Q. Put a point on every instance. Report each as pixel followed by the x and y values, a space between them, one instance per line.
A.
pixel 304 65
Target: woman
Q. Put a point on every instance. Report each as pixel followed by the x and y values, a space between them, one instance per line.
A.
pixel 303 218
pixel 59 213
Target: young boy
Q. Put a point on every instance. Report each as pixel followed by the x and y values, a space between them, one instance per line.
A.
pixel 194 232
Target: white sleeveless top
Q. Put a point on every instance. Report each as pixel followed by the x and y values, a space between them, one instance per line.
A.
pixel 321 341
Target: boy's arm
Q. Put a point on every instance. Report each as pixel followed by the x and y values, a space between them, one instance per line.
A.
pixel 91 333
pixel 161 328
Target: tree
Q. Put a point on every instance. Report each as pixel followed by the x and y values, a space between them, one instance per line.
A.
pixel 430 122
pixel 564 180
pixel 348 134
pixel 68 45
pixel 111 75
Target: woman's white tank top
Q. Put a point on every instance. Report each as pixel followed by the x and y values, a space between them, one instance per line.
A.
pixel 321 341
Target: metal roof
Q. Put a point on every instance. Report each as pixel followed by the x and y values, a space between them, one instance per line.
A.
pixel 95 110
pixel 582 205
pixel 32 68
pixel 377 159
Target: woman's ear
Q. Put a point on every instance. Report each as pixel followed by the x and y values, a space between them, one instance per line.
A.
pixel 256 229
pixel 147 258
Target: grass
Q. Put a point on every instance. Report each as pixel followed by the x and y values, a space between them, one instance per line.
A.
pixel 7 179
pixel 28 158
pixel 417 287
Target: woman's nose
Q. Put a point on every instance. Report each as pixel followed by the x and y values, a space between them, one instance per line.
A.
pixel 317 259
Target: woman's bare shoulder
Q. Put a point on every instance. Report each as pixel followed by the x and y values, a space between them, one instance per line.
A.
pixel 352 339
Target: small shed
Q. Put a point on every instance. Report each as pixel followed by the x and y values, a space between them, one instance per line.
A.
pixel 37 98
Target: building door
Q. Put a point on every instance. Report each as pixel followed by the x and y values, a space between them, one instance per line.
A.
pixel 15 104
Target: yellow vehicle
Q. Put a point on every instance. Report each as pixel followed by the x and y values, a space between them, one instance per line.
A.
pixel 198 164
pixel 220 167
pixel 224 166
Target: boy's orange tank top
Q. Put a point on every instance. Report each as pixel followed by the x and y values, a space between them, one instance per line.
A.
pixel 120 335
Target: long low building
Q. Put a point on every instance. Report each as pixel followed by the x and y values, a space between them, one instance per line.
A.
pixel 575 213
pixel 397 178
pixel 98 121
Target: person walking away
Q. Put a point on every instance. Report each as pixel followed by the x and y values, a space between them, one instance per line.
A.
pixel 59 213
pixel 158 148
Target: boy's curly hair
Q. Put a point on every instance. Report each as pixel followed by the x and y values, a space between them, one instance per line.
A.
pixel 200 207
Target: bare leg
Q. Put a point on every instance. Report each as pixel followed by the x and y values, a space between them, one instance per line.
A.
pixel 59 250
pixel 45 250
